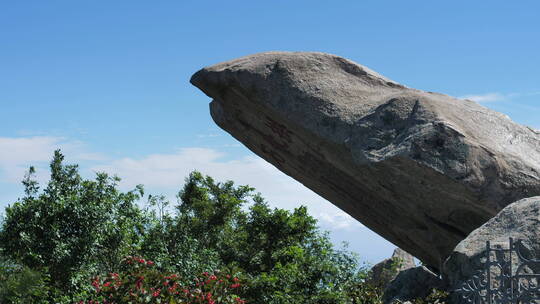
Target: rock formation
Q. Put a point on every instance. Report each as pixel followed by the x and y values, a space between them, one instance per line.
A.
pixel 421 169
pixel 411 284
pixel 520 221
pixel 381 274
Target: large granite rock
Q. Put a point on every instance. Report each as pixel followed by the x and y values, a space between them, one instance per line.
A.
pixel 411 284
pixel 421 169
pixel 520 221
pixel 382 273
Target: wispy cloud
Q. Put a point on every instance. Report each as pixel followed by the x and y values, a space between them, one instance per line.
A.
pixel 208 135
pixel 484 98
pixel 19 153
pixel 496 97
pixel 339 220
pixel 166 172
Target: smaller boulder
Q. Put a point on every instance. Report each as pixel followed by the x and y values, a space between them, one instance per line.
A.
pixel 411 284
pixel 384 272
pixel 519 220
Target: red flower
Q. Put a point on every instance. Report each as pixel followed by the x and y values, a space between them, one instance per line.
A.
pixel 95 283
pixel 239 301
pixel 138 284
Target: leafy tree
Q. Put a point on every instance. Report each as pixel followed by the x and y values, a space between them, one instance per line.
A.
pixel 74 227
pixel 20 284
pixel 282 254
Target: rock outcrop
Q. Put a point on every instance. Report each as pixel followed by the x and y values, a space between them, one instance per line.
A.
pixel 520 221
pixel 411 284
pixel 381 274
pixel 421 169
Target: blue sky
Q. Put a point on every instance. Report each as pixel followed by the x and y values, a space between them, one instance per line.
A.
pixel 108 81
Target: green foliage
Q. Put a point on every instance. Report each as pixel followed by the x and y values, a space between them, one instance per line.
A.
pixel 20 284
pixel 281 253
pixel 363 293
pixel 435 297
pixel 75 229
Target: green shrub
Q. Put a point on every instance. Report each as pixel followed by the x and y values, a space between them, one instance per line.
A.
pixel 20 284
pixel 436 297
pixel 365 293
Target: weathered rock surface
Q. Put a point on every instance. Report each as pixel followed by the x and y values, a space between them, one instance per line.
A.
pixel 381 274
pixel 421 169
pixel 520 221
pixel 411 284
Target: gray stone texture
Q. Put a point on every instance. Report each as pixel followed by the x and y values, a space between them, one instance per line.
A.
pixel 520 221
pixel 411 284
pixel 381 274
pixel 421 169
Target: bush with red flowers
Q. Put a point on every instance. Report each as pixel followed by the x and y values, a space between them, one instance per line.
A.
pixel 142 282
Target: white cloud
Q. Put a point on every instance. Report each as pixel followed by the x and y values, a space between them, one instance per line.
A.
pixel 20 150
pixel 17 154
pixel 338 220
pixel 495 97
pixel 208 135
pixel 166 173
pixel 484 98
